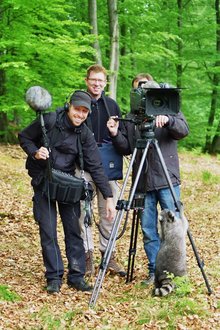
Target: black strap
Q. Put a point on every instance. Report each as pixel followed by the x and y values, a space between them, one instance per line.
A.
pixel 55 125
pixel 79 143
pixel 106 105
pixel 88 123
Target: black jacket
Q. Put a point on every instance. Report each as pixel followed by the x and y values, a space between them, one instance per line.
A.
pixel 64 153
pixel 99 116
pixel 152 176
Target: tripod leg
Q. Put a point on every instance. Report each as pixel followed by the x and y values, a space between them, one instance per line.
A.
pixel 106 258
pixel 177 203
pixel 117 222
pixel 133 245
pixel 112 238
pixel 179 208
pixel 131 248
pixel 199 262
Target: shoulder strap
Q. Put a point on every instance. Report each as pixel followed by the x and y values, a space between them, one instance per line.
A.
pixel 106 105
pixel 55 127
pixel 80 141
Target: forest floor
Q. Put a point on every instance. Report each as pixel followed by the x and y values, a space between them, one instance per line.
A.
pixel 24 303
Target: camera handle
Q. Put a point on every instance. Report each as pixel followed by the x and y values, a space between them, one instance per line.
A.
pixel 123 205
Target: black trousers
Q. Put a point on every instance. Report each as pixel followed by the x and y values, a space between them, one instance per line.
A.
pixel 45 214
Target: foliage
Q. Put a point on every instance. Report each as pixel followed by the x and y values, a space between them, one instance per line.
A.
pixel 48 52
pixel 52 46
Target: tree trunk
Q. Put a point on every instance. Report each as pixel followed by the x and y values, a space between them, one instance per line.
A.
pixel 3 115
pixel 208 143
pixel 179 69
pixel 216 141
pixel 213 145
pixel 92 5
pixel 4 127
pixel 114 52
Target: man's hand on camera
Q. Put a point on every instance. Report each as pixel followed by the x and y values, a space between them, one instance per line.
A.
pixel 161 120
pixel 112 125
pixel 42 153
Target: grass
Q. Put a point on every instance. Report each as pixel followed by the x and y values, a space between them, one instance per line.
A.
pixel 168 310
pixel 7 295
pixel 209 178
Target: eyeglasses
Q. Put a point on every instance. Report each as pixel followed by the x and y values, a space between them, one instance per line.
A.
pixel 100 81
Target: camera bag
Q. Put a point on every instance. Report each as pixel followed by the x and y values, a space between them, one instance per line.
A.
pixel 112 161
pixel 65 188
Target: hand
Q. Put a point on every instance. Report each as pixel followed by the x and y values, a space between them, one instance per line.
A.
pixel 113 126
pixel 161 120
pixel 110 209
pixel 42 153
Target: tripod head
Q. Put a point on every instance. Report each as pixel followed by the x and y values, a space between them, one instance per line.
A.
pixel 145 126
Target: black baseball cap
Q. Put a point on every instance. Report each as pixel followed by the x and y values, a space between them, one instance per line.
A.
pixel 81 99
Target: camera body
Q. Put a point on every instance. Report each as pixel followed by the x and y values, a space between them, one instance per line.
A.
pixel 149 102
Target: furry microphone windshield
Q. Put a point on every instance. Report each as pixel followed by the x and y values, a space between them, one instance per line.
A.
pixel 38 98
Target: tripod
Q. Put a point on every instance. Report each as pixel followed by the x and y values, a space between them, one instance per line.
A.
pixel 148 138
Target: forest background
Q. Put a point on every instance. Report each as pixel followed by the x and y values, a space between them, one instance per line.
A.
pixel 52 43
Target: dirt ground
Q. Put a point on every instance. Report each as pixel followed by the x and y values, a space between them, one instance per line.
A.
pixel 119 305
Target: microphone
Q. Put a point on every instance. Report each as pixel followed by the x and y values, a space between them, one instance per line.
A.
pixel 38 98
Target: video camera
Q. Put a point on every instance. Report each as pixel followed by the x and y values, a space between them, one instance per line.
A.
pixel 151 99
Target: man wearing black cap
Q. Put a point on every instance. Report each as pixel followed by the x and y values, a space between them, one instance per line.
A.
pixel 63 153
